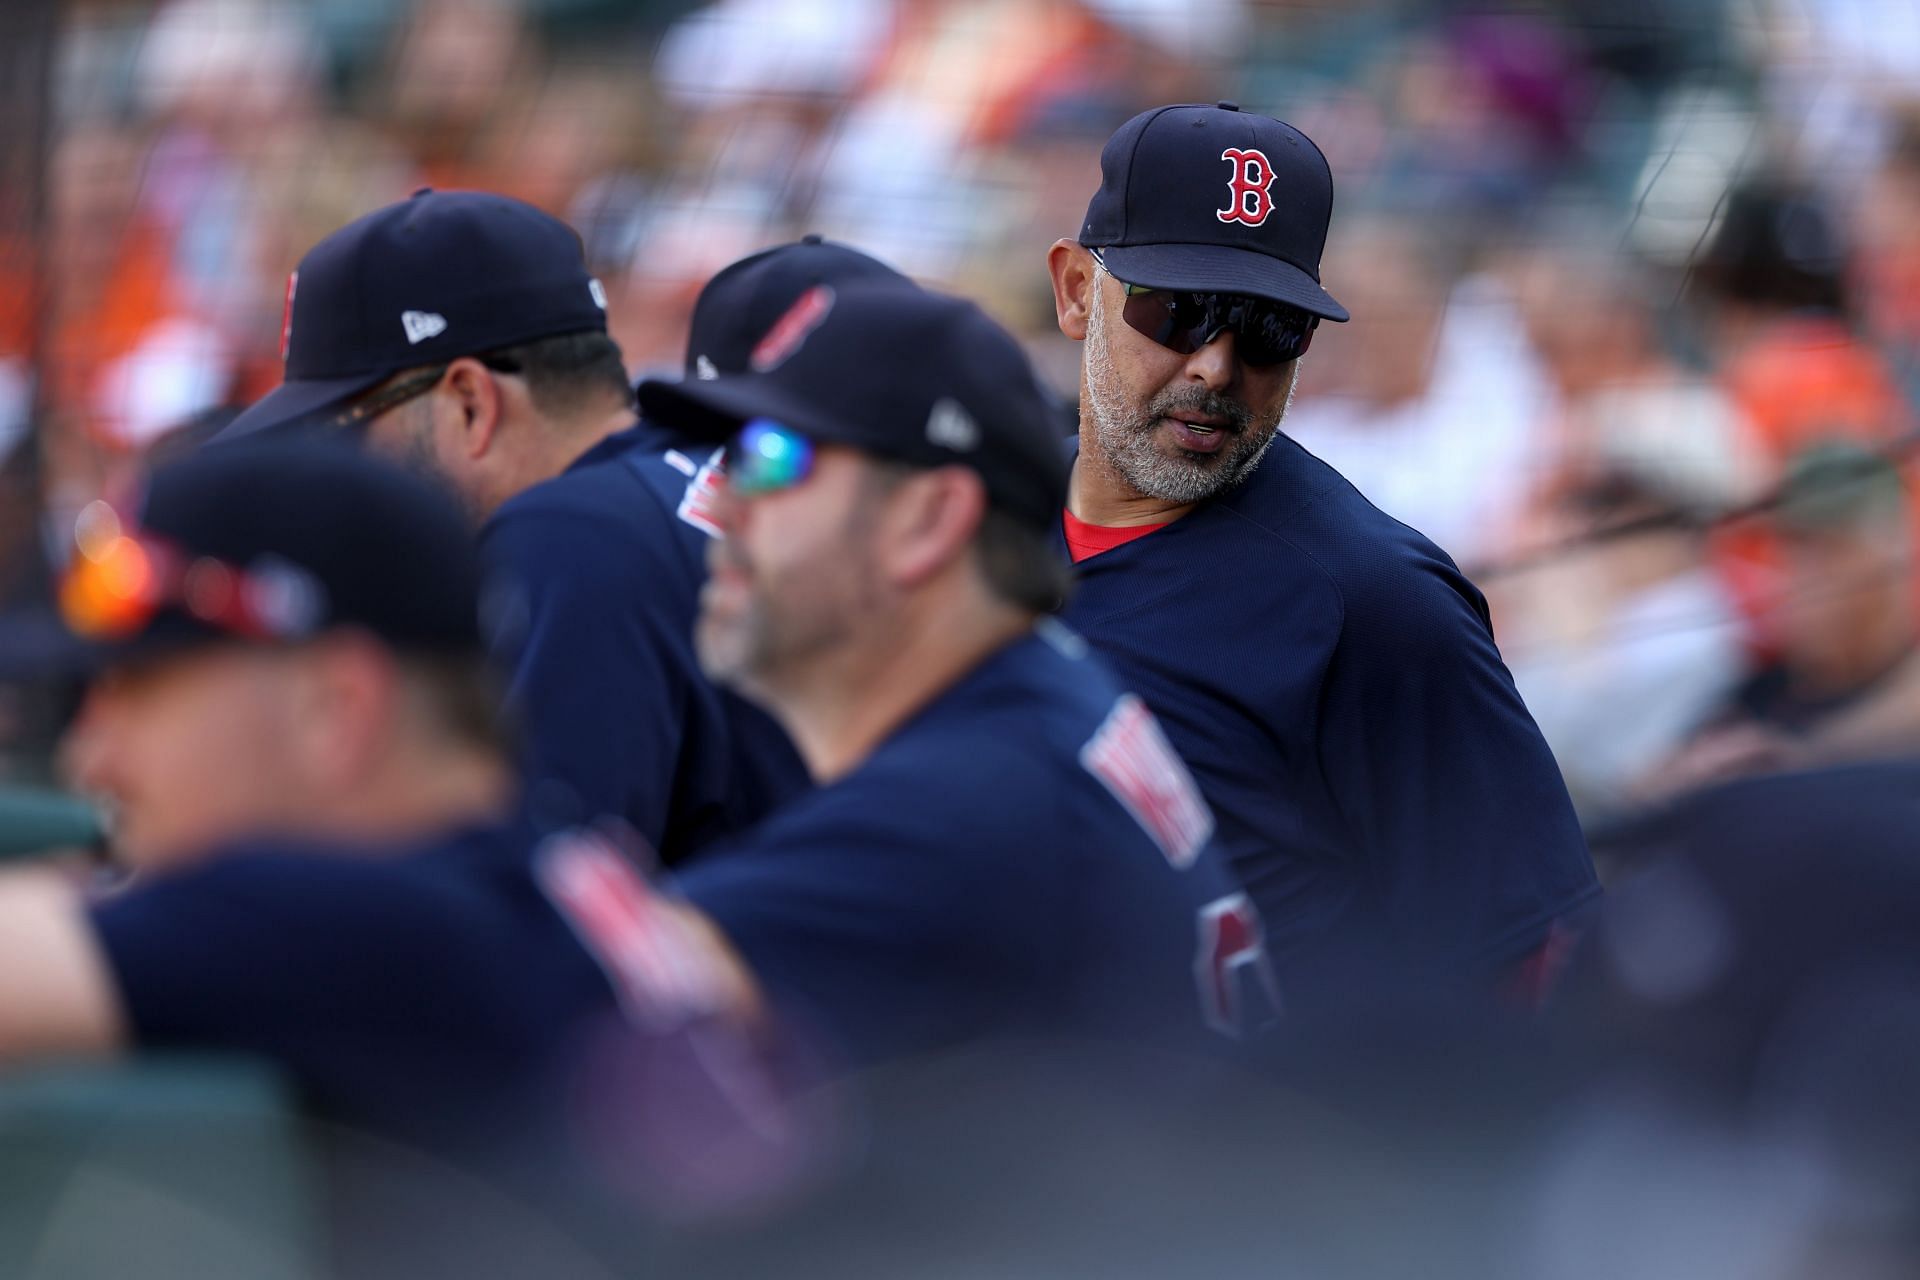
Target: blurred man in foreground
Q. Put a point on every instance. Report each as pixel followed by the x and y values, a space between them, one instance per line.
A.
pixel 293 717
pixel 1001 841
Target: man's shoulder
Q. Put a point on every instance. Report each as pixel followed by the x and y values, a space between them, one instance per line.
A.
pixel 1042 695
pixel 1294 497
pixel 1046 736
pixel 1377 565
pixel 621 508
pixel 620 482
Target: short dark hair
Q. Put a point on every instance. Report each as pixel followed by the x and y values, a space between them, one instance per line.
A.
pixel 567 373
pixel 1021 563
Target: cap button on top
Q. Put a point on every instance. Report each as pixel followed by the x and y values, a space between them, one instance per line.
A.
pixel 812 237
pixel 1228 106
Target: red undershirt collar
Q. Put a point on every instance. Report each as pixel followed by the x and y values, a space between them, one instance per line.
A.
pixel 1087 540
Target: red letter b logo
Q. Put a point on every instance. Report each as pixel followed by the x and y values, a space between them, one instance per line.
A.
pixel 1248 200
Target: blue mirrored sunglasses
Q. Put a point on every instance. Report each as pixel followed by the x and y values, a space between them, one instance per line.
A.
pixel 766 457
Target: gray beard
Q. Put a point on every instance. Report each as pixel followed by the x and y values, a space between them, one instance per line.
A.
pixel 1126 439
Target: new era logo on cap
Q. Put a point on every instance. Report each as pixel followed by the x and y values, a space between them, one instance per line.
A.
pixel 286 315
pixel 952 427
pixel 421 325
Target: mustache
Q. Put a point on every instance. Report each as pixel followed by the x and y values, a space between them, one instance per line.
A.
pixel 1211 404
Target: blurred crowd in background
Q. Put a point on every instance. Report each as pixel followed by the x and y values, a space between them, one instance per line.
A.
pixel 1636 286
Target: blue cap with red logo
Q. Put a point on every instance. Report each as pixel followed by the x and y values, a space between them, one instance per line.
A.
pixel 1215 200
pixel 442 275
pixel 744 298
pixel 897 371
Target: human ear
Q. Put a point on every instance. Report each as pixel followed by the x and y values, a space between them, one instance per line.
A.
pixel 1074 280
pixel 931 520
pixel 476 396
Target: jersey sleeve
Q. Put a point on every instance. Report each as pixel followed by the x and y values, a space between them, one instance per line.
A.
pixel 1441 776
pixel 601 659
pixel 300 959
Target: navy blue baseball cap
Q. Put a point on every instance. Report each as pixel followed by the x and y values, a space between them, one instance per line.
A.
pixel 902 373
pixel 1217 200
pixel 744 298
pixel 442 275
pixel 262 542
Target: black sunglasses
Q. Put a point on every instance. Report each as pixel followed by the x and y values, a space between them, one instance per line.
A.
pixel 396 394
pixel 1266 333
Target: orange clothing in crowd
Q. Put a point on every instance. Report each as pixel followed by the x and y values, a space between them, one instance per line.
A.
pixel 94 325
pixel 1807 379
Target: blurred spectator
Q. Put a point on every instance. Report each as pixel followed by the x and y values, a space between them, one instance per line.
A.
pixel 1844 617
pixel 455 65
pixel 1624 643
pixel 1428 400
pixel 1622 637
pixel 1885 272
pixel 1492 107
pixel 111 289
pixel 1620 397
pixel 1779 321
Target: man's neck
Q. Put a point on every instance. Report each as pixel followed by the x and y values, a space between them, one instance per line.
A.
pixel 426 789
pixel 566 442
pixel 841 711
pixel 547 448
pixel 1099 494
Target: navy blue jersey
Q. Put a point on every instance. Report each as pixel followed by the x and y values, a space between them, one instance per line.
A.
pixel 1332 680
pixel 603 567
pixel 431 993
pixel 1025 854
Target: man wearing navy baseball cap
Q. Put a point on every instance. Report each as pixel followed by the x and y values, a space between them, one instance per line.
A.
pixel 293 719
pixel 460 332
pixel 892 490
pixel 417 287
pixel 1326 671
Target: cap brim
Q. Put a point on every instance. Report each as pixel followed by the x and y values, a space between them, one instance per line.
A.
pixel 293 404
pixel 714 409
pixel 36 645
pixel 1215 268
